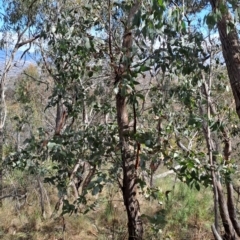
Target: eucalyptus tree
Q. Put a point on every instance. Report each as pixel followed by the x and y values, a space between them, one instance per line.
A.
pixel 19 29
pixel 225 14
pixel 105 114
pixel 129 31
pixel 222 15
pixel 193 66
pixel 76 58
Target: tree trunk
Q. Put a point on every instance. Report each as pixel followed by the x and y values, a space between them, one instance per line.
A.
pixel 231 53
pixel 227 223
pixel 2 122
pixel 129 187
pixel 231 207
pixel 231 50
pixel 128 156
pixel 1 165
pixel 213 145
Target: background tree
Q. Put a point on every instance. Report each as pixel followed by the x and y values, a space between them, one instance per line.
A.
pixel 19 19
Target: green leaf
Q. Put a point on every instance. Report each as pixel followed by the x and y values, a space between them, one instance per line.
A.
pixel 197 185
pixel 135 82
pixel 49 180
pixel 194 120
pixel 144 68
pixel 141 96
pixel 51 145
pixel 90 74
pixel 137 19
pixel 96 190
pixel 160 2
pixel 211 20
pixel 148 143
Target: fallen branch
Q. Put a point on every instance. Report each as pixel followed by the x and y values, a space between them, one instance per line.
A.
pixel 165 174
pixel 20 196
pixel 162 175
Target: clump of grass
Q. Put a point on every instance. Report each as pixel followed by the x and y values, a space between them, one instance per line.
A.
pixel 181 213
pixel 188 212
pixel 112 216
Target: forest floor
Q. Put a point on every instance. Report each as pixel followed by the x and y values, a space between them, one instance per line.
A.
pixel 185 214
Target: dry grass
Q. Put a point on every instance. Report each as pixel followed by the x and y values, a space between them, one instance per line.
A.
pixel 186 214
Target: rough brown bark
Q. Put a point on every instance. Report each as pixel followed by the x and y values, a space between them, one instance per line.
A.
pixel 231 50
pixel 61 117
pixel 129 186
pixel 87 180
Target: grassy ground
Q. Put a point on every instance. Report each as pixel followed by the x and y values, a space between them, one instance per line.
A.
pixel 184 214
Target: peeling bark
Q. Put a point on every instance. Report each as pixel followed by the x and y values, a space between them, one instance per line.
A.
pixel 129 186
pixel 61 117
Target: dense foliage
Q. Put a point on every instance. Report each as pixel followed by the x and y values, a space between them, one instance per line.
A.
pixel 118 89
